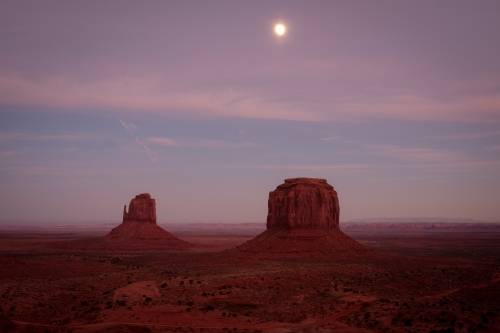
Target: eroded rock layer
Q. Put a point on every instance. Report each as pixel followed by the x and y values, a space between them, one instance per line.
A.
pixel 303 203
pixel 142 208
pixel 139 229
pixel 303 219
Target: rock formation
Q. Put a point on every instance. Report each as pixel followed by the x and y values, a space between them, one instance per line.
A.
pixel 141 209
pixel 139 228
pixel 303 203
pixel 303 218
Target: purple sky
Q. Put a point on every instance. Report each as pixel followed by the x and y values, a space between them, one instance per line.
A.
pixel 396 103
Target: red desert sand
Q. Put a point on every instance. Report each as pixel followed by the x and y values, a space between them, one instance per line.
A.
pixel 301 275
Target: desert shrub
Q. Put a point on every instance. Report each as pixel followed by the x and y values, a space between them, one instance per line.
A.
pixel 121 302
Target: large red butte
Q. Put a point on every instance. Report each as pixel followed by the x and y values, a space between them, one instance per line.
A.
pixel 303 203
pixel 303 219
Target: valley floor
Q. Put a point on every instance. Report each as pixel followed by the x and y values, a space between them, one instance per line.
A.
pixel 408 282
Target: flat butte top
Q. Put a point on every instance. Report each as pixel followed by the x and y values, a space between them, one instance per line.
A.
pixel 303 181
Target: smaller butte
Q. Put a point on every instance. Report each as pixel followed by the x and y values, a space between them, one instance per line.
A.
pixel 139 229
pixel 303 219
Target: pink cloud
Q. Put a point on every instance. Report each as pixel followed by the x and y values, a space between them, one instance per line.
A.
pixel 415 154
pixel 149 93
pixel 430 157
pixel 467 136
pixel 415 107
pixel 162 141
pixel 159 94
pixel 64 136
pixel 197 143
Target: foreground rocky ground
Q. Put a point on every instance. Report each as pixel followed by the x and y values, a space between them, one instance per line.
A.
pixel 411 282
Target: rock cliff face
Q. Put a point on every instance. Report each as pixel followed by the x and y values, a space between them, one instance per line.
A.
pixel 303 203
pixel 142 208
pixel 303 219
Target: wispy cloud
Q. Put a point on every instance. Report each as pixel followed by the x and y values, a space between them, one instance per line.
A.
pixel 59 171
pixel 467 136
pixel 128 126
pixel 197 143
pixel 216 144
pixel 7 154
pixel 17 136
pixel 162 141
pixel 131 129
pixel 310 167
pixel 145 94
pixel 415 154
pixel 152 93
pixel 419 107
pixel 371 166
pixel 339 139
pixel 429 157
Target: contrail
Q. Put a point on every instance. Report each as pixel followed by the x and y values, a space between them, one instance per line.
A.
pixel 131 128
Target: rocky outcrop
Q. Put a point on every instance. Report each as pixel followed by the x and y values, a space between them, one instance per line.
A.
pixel 303 219
pixel 142 208
pixel 139 229
pixel 303 203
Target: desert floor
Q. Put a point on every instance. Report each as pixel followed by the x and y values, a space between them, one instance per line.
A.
pixel 411 281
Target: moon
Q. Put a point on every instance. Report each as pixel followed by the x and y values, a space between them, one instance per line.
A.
pixel 280 29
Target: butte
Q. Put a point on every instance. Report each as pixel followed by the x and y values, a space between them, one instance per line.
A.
pixel 302 220
pixel 139 229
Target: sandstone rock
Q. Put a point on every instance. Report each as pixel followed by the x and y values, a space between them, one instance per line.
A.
pixel 303 219
pixel 141 209
pixel 139 229
pixel 303 203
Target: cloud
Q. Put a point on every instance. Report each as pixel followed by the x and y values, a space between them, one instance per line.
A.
pixel 339 139
pixel 62 136
pixel 331 138
pixel 310 167
pixel 149 152
pixel 197 143
pixel 153 93
pixel 128 126
pixel 131 128
pixel 421 108
pixel 58 171
pixel 411 156
pixel 467 136
pixel 404 154
pixel 415 154
pixel 4 154
pixel 210 143
pixel 162 141
pixel 429 157
pixel 367 166
pixel 147 93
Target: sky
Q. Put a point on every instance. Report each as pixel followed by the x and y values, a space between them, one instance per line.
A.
pixel 395 103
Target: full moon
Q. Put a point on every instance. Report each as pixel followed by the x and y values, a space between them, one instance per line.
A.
pixel 280 29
